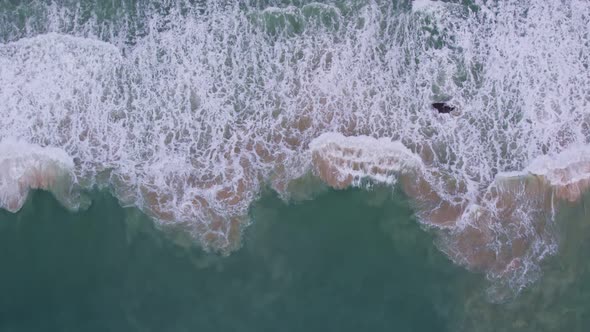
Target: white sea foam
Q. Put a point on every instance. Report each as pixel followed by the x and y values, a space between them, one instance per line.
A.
pixel 25 166
pixel 425 5
pixel 342 161
pixel 188 116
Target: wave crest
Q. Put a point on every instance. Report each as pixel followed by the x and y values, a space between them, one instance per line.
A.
pixel 25 166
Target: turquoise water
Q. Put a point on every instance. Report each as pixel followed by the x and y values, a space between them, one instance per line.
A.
pixel 348 260
pixel 344 261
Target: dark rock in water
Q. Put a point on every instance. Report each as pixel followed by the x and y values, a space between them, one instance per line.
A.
pixel 443 108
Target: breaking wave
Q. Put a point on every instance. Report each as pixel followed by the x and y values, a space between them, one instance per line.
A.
pixel 186 110
pixel 25 166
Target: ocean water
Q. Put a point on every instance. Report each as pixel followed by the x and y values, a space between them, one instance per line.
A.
pixel 278 165
pixel 311 266
pixel 348 260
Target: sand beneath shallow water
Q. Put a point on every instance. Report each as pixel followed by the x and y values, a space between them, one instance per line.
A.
pixel 504 230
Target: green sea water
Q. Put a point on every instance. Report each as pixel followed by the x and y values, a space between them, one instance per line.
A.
pixel 344 261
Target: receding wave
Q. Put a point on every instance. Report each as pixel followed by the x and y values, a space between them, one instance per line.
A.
pixel 187 111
